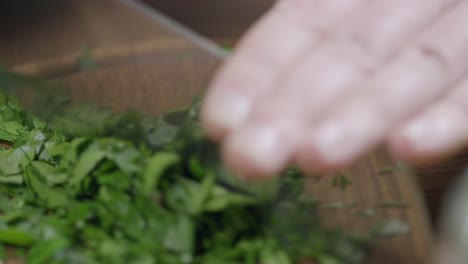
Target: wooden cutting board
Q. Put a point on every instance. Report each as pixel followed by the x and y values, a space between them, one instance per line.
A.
pixel 147 64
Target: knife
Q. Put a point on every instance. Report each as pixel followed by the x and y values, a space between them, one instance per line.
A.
pixel 197 39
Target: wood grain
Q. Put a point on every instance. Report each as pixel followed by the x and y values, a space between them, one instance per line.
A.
pixel 131 75
pixel 66 28
pixel 371 189
pixel 104 56
pixel 170 80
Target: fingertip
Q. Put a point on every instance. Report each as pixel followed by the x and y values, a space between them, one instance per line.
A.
pixel 224 110
pixel 434 135
pixel 401 147
pixel 257 152
pixel 212 129
pixel 335 144
pixel 311 158
pixel 243 167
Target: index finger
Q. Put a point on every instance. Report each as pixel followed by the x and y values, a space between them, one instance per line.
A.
pixel 279 39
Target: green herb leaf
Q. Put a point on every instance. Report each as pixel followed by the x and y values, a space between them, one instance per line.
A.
pixel 86 185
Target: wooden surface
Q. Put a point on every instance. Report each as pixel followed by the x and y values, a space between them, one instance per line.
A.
pixel 66 27
pixel 135 70
pixel 372 188
pixel 53 36
pixel 435 181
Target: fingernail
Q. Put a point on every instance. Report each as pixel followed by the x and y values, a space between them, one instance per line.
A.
pixel 417 131
pixel 259 152
pixel 329 142
pixel 227 111
pixel 438 129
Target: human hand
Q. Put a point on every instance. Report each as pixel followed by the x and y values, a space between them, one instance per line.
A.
pixel 321 82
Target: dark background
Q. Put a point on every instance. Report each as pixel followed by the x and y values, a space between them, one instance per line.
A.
pixel 223 21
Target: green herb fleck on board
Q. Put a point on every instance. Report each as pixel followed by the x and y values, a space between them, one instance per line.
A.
pixel 391 227
pixel 386 170
pixel 341 181
pixel 85 61
pixel 339 205
pixel 368 212
pixel 403 167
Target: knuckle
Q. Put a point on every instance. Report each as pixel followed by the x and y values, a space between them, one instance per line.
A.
pixel 434 53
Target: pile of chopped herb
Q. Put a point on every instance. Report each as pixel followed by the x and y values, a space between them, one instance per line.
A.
pixel 90 186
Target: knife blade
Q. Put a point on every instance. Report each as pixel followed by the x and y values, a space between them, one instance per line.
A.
pixel 197 39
